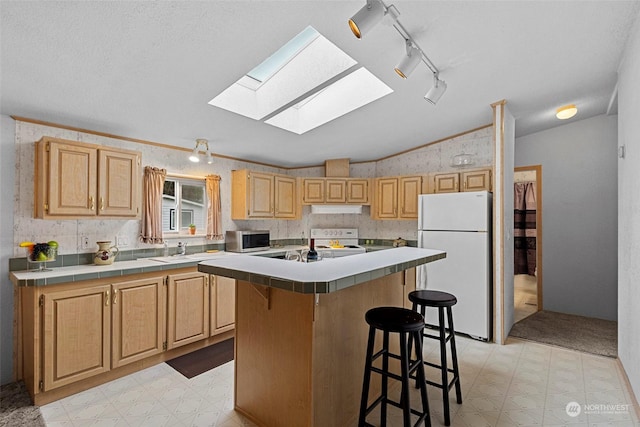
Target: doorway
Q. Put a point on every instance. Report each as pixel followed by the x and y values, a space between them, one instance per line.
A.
pixel 527 295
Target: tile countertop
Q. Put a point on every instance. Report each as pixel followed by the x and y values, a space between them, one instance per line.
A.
pixel 328 275
pixel 77 273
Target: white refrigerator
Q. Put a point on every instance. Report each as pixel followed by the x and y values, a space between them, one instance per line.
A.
pixel 460 225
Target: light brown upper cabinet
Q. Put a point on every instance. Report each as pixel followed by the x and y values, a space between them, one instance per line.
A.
pixel 335 191
pixel 79 180
pixel 263 195
pixel 474 180
pixel 409 189
pixel 397 197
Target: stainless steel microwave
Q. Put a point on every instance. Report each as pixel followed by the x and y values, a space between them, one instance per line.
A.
pixel 247 240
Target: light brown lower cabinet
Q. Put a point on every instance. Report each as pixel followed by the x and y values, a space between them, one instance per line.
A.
pixel 74 336
pixel 76 327
pixel 188 302
pixel 138 320
pixel 223 304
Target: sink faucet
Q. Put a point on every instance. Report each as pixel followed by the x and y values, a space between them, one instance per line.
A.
pixel 182 248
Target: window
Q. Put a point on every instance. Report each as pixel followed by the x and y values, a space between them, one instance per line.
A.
pixel 184 203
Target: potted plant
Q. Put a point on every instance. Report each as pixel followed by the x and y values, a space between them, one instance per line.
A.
pixel 192 229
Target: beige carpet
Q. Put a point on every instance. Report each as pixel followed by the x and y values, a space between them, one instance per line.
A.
pixel 580 333
pixel 16 408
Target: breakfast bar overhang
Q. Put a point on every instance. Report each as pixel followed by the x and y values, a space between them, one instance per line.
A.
pixel 300 331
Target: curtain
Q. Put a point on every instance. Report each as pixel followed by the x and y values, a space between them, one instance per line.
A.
pixel 524 226
pixel 214 209
pixel 152 186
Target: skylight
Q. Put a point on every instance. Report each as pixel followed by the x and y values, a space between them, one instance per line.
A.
pixel 300 80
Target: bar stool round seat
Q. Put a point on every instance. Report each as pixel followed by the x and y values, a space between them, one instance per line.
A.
pixel 443 301
pixel 408 324
pixel 431 298
pixel 394 319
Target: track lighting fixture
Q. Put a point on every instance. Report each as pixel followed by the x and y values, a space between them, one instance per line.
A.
pixel 436 91
pixel 195 154
pixel 369 16
pixel 409 62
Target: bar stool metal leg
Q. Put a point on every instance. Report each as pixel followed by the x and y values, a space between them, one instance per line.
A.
pixel 366 382
pixel 443 362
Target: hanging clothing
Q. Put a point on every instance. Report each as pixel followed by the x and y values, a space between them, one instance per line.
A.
pixel 524 227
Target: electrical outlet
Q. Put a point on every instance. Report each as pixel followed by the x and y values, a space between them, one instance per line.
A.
pixel 122 241
pixel 84 242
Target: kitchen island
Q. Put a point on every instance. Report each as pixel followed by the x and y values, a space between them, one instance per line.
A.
pixel 301 334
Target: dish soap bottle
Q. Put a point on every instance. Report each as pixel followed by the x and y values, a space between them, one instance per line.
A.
pixel 312 255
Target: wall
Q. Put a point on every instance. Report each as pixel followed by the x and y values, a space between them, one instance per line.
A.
pixel 67 232
pixel 7 171
pixel 629 210
pixel 579 218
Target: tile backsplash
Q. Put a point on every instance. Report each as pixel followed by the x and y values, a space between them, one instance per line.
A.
pixel 432 158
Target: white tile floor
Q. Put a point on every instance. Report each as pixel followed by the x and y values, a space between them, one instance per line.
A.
pixel 518 384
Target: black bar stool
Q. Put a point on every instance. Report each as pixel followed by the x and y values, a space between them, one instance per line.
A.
pixel 441 300
pixel 401 321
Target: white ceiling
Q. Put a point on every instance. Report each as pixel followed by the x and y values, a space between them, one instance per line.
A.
pixel 147 69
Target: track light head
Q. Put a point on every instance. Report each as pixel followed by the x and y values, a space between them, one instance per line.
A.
pixel 409 62
pixel 436 91
pixel 195 154
pixel 367 18
pixel 194 157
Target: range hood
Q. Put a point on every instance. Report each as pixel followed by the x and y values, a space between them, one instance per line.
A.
pixel 336 209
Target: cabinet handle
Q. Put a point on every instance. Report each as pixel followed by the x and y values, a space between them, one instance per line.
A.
pixel 115 296
pixel 101 203
pixel 91 204
pixel 106 299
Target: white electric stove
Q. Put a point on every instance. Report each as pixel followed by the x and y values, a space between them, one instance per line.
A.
pixel 337 242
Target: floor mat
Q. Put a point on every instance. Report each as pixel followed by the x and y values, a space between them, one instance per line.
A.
pixel 202 360
pixel 595 336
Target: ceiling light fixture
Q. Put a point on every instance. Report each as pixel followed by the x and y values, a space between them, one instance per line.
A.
pixel 369 16
pixel 437 90
pixel 409 62
pixel 195 154
pixel 566 112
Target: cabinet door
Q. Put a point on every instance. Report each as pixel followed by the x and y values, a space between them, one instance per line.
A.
pixel 336 191
pixel 188 302
pixel 313 191
pixel 260 195
pixel 223 304
pixel 476 180
pixel 118 183
pixel 358 191
pixel 72 179
pixel 408 200
pixel 285 197
pixel 387 197
pixel 138 320
pixel 446 183
pixel 76 335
